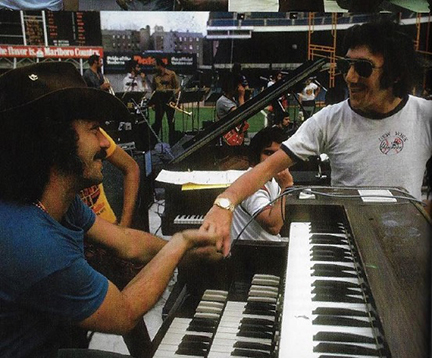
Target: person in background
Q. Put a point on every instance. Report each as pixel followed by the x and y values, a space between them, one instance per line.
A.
pixel 308 95
pixel 274 78
pixel 279 105
pixel 133 81
pixel 241 78
pixel 93 76
pixel 267 224
pixel 165 80
pixel 380 136
pixel 53 148
pixel 282 121
pixel 232 97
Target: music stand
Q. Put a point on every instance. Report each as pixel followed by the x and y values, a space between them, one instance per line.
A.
pixel 129 98
pixel 161 96
pixel 191 96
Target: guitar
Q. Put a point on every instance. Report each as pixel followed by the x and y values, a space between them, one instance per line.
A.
pixel 236 136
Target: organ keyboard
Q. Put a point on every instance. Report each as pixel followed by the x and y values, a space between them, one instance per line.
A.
pixel 222 327
pixel 189 220
pixel 353 281
pixel 327 307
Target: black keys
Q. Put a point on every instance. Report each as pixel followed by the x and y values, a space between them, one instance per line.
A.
pixel 249 353
pixel 340 348
pixel 330 253
pixel 343 337
pixel 332 270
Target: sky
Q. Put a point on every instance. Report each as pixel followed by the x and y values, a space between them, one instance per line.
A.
pixel 170 20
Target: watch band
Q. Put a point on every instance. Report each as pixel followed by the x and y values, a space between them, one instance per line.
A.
pixel 224 203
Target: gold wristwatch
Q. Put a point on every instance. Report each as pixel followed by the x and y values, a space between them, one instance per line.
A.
pixel 224 203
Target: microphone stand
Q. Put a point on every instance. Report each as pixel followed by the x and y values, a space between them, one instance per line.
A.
pixel 145 120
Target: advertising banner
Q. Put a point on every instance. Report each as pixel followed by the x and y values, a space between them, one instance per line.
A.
pixel 179 62
pixel 49 52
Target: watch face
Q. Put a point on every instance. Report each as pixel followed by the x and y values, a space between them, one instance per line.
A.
pixel 224 202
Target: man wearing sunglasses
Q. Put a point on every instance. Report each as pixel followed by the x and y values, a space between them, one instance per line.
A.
pixel 380 136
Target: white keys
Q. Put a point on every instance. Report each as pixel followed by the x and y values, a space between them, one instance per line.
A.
pixel 182 341
pixel 249 332
pixel 189 219
pixel 298 330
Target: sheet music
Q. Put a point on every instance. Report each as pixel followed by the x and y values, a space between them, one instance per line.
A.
pixel 199 177
pixel 374 196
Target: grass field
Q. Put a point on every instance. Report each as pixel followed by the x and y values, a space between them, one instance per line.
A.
pixel 191 123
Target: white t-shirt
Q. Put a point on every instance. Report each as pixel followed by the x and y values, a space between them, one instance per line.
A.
pixel 132 84
pixel 389 152
pixel 244 212
pixel 308 93
pixel 54 5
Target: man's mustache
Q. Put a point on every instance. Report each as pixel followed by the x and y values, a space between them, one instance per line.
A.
pixel 101 154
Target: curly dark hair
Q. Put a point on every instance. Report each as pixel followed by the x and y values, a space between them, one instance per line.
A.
pixel 263 139
pixel 401 67
pixel 92 59
pixel 33 142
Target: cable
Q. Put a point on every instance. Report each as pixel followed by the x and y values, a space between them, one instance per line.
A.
pixel 408 198
pixel 285 192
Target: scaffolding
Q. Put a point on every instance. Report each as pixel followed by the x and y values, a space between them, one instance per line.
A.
pixel 329 52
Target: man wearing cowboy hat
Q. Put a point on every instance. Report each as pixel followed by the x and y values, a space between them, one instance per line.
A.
pixel 52 148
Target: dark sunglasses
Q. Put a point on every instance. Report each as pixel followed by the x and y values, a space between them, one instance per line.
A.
pixel 364 68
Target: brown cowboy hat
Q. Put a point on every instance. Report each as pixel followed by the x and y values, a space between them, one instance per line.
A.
pixel 57 89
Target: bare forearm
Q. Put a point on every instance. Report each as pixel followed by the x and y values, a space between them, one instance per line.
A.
pixel 255 178
pixel 131 176
pixel 130 196
pixel 272 219
pixel 140 246
pixel 121 311
pixel 145 289
pixel 126 243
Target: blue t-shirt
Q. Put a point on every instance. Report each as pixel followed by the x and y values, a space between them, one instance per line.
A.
pixel 45 281
pixel 54 5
